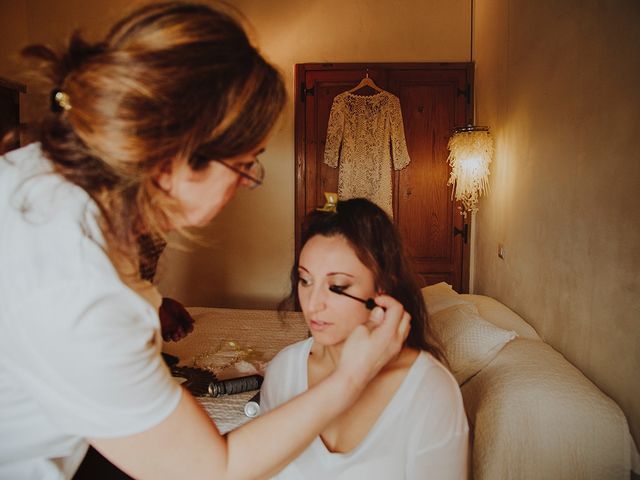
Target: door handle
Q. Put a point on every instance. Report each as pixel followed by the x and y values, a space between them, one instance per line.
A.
pixel 464 232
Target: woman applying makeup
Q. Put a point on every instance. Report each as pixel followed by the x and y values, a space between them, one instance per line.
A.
pixel 151 130
pixel 409 423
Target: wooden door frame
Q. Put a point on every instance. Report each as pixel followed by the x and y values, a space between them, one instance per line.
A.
pixel 300 88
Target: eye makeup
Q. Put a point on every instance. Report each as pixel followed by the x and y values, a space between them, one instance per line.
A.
pixel 368 303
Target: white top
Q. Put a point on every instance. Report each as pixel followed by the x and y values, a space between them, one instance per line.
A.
pixel 365 136
pixel 79 350
pixel 422 433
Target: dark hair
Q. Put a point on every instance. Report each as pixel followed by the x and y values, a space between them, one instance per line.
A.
pixel 169 81
pixel 377 244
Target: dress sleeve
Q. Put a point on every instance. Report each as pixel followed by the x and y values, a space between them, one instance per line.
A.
pixel 335 131
pixel 94 359
pixel 398 142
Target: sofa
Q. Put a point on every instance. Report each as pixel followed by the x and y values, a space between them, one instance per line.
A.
pixel 532 414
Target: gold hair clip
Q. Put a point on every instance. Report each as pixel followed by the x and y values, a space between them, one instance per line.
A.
pixel 60 101
pixel 331 202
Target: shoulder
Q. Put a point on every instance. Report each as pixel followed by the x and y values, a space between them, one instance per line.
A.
pixel 285 375
pixel 40 204
pixel 438 421
pixel 30 182
pixel 436 396
pixel 341 96
pixel 59 277
pixel 339 100
pixel 389 100
pixel 50 225
pixel 437 379
pixel 437 403
pixel 290 356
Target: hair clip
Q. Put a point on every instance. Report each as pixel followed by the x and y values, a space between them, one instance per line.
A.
pixel 331 202
pixel 59 101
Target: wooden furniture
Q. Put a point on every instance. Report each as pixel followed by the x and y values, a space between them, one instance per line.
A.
pixel 434 98
pixel 10 108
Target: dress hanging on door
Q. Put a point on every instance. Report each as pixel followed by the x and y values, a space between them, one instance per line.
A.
pixel 365 137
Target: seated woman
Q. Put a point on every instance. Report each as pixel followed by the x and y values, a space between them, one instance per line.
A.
pixel 410 421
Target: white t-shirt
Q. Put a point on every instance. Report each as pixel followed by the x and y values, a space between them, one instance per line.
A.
pixel 79 350
pixel 421 434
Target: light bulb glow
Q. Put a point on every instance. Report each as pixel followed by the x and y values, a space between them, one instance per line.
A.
pixel 470 154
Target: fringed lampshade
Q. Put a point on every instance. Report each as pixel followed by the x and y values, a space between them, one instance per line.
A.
pixel 470 153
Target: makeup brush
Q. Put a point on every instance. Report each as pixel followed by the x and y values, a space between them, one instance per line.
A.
pixel 369 303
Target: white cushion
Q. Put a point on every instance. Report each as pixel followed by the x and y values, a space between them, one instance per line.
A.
pixel 441 296
pixel 469 341
pixel 501 316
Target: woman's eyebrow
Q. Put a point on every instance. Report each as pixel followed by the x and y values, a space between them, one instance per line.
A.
pixel 300 267
pixel 260 152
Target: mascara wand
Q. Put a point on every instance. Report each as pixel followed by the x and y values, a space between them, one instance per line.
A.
pixel 369 302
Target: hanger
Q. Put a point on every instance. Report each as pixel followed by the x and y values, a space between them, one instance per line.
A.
pixel 366 82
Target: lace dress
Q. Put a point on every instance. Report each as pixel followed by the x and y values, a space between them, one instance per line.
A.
pixel 365 137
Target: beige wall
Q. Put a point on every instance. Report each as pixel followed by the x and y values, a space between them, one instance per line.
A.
pixel 557 83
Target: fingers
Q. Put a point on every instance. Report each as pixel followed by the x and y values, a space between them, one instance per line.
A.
pixel 387 329
pixel 371 346
pixel 376 317
pixel 389 319
pixel 395 323
pixel 404 326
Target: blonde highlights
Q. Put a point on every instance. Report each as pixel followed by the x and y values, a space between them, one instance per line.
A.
pixel 168 81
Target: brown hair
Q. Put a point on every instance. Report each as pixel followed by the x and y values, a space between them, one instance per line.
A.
pixel 377 244
pixel 169 80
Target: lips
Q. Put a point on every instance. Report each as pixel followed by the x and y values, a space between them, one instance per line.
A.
pixel 318 326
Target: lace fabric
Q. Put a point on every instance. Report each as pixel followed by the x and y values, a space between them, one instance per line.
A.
pixel 365 138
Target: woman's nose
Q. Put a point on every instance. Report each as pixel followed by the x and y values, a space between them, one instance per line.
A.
pixel 317 299
pixel 246 182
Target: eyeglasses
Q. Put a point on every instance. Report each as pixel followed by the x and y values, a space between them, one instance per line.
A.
pixel 254 172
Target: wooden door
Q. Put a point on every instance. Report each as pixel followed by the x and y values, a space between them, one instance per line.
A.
pixel 434 99
pixel 10 111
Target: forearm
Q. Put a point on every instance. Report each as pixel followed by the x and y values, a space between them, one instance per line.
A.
pixel 267 444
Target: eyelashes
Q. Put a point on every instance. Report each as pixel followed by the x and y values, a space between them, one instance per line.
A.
pixel 338 288
pixel 304 282
pixel 369 303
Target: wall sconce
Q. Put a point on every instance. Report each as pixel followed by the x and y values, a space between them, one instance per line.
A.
pixel 470 153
